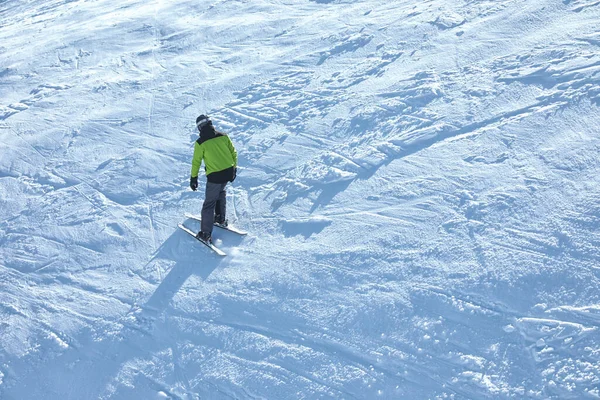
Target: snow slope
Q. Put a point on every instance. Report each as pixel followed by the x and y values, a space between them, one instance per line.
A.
pixel 420 180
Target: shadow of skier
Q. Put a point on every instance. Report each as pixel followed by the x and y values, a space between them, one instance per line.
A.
pixel 98 361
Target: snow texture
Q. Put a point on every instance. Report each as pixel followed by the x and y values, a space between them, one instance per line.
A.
pixel 419 180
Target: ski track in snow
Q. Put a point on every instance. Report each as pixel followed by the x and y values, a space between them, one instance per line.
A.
pixel 419 181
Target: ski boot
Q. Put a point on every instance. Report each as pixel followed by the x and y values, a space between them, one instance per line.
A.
pixel 205 237
pixel 220 221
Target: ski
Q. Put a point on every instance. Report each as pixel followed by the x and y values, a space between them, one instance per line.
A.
pixel 209 245
pixel 228 227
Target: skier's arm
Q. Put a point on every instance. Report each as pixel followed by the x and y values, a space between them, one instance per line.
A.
pixel 197 159
pixel 233 152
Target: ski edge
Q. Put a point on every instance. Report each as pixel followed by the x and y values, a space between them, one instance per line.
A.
pixel 227 228
pixel 210 246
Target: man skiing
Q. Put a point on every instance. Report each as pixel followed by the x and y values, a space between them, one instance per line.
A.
pixel 220 165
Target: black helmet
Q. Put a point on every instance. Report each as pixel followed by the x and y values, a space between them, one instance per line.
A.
pixel 202 120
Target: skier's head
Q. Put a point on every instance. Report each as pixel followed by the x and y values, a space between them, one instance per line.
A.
pixel 203 121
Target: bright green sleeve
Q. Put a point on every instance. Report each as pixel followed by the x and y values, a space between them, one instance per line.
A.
pixel 233 152
pixel 197 159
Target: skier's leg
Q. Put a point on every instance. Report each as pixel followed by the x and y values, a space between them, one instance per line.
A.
pixel 208 208
pixel 221 208
pixel 218 218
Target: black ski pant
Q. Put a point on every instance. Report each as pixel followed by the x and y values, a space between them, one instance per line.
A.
pixel 214 203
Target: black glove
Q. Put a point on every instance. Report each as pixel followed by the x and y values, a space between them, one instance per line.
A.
pixel 234 174
pixel 194 183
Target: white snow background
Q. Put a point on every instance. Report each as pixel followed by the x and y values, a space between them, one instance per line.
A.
pixel 420 180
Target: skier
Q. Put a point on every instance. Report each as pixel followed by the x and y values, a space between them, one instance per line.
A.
pixel 220 165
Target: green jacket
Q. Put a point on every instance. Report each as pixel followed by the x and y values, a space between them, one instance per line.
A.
pixel 219 155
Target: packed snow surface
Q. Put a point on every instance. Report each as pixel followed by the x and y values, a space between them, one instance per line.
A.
pixel 419 180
